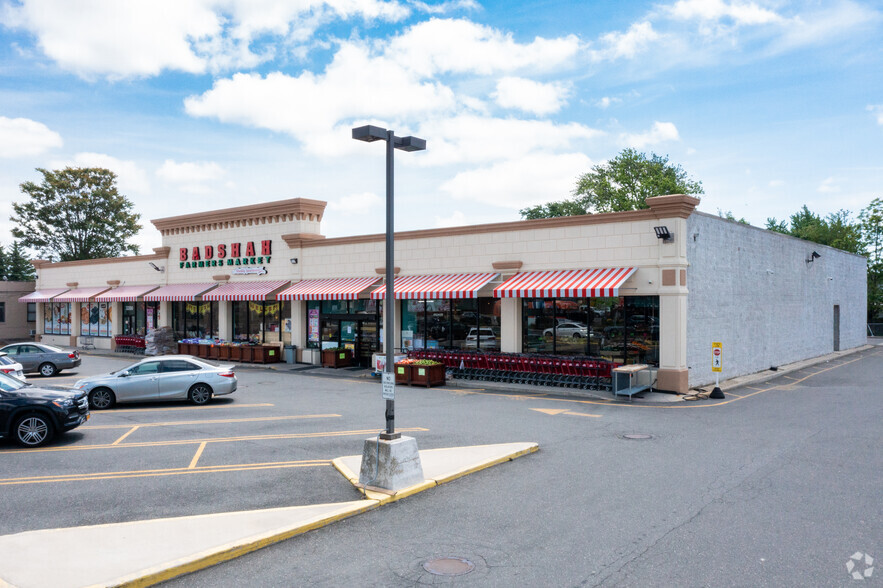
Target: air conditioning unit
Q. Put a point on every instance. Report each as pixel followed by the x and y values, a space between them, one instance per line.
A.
pixel 32 332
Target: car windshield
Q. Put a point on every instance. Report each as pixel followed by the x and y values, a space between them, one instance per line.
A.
pixel 10 384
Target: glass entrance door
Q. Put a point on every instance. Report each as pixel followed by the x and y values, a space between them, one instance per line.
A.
pixel 369 342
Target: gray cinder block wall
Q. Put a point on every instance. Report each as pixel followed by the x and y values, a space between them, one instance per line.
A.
pixel 753 290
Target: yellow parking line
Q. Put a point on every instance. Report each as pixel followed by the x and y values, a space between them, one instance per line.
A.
pixel 368 432
pixel 164 472
pixel 129 432
pixel 215 407
pixel 215 422
pixel 196 457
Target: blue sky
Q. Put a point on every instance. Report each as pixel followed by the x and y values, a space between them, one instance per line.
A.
pixel 204 104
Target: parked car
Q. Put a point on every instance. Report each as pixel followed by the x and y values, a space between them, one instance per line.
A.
pixel 32 415
pixel 48 360
pixel 483 338
pixel 575 330
pixel 170 377
pixel 11 367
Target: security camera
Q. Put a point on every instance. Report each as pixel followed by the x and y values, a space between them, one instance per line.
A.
pixel 153 265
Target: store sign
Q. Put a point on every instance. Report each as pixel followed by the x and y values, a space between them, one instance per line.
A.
pixel 249 270
pixel 226 254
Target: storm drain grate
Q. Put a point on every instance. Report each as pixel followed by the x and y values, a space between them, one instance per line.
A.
pixel 637 436
pixel 448 566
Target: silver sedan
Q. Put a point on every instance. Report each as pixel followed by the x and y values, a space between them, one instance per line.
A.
pixel 170 377
pixel 39 357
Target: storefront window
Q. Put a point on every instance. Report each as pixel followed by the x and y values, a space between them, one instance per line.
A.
pixel 451 324
pixel 313 332
pixel 624 329
pixel 272 322
pixel 195 320
pixel 96 319
pixel 139 318
pixel 57 318
pixel 335 307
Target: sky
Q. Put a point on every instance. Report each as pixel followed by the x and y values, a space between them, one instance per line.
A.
pixel 198 105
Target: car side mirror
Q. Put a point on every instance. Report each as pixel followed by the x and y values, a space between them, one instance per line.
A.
pixel 124 374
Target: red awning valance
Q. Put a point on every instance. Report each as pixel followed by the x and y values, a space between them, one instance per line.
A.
pixel 179 292
pixel 80 294
pixel 43 295
pixel 332 289
pixel 245 290
pixel 565 283
pixel 446 286
pixel 124 294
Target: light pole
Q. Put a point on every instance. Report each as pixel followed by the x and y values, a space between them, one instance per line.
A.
pixel 370 134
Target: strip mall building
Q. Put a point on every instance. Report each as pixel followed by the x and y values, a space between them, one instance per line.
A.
pixel 604 285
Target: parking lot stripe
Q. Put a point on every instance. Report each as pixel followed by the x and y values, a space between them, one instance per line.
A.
pixel 196 457
pixel 213 422
pixel 214 407
pixel 368 432
pixel 126 434
pixel 243 467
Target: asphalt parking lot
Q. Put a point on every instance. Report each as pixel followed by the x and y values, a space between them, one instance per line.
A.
pixel 778 485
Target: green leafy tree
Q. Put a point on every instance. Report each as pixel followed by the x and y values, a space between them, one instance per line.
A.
pixel 871 222
pixel 777 226
pixel 75 213
pixel 623 183
pixel 728 214
pixel 835 230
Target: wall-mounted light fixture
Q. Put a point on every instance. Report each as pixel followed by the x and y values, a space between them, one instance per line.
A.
pixel 293 261
pixel 664 234
pixel 154 266
pixel 814 256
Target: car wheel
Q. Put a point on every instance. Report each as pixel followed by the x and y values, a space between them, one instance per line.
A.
pixel 200 394
pixel 101 398
pixel 577 336
pixel 48 370
pixel 33 430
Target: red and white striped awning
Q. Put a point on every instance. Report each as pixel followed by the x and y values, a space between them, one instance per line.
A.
pixel 245 290
pixel 178 292
pixel 43 295
pixel 80 294
pixel 124 294
pixel 447 286
pixel 565 283
pixel 333 289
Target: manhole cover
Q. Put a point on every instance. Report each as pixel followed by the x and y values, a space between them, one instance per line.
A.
pixel 637 436
pixel 448 566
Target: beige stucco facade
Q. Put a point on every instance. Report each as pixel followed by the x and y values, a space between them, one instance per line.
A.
pixel 292 227
pixel 15 325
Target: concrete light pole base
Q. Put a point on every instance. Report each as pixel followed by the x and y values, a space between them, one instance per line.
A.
pixel 391 464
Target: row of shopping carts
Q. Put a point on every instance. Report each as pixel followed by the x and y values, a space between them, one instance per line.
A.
pixel 586 373
pixel 129 344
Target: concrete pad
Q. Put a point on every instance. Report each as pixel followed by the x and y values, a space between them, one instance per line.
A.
pixel 151 551
pixel 392 464
pixel 439 466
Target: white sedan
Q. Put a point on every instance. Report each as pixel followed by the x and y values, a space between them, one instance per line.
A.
pixel 11 367
pixel 170 377
pixel 575 330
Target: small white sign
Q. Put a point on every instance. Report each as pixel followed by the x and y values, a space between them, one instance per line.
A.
pixel 389 386
pixel 249 270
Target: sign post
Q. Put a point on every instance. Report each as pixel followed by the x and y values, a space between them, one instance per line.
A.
pixel 717 362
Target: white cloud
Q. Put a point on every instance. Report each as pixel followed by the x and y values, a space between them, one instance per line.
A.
pixel 130 177
pixel 661 132
pixel 475 139
pixel 776 183
pixel 834 21
pixel 130 39
pixel 877 111
pixel 625 45
pixel 531 96
pixel 190 177
pixel 457 219
pixel 606 101
pixel 743 13
pixel 21 137
pixel 457 45
pixel 359 204
pixel 828 186
pixel 445 7
pixel 520 182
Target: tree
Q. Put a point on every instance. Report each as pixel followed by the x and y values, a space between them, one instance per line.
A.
pixel 14 266
pixel 728 214
pixel 871 222
pixel 623 183
pixel 75 213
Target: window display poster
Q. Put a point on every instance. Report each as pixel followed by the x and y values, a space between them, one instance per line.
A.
pixel 286 325
pixel 104 318
pixel 85 325
pixel 47 318
pixel 313 325
pixel 150 322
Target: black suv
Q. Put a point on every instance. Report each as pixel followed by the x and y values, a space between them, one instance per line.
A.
pixel 32 416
